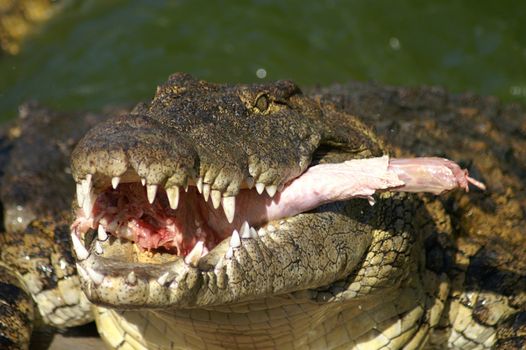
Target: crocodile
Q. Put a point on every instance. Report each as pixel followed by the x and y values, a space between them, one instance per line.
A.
pixel 411 271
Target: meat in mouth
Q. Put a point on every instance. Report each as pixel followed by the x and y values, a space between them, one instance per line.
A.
pixel 191 222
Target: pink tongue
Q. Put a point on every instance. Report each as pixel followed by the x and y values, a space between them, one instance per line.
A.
pixel 361 178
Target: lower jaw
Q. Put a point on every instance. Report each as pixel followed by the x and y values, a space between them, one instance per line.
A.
pixel 112 262
pixel 238 269
pixel 116 272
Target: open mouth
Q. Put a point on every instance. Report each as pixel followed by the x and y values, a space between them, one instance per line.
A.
pixel 161 246
pixel 191 222
pixel 167 222
pixel 164 243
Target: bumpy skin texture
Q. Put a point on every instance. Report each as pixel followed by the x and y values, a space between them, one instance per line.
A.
pixel 485 258
pixel 218 132
pixel 434 272
pixel 35 254
pixel 16 308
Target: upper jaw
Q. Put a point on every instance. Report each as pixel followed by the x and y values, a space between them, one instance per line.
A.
pixel 221 147
pixel 141 148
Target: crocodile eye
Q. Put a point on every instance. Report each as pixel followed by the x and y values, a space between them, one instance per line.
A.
pixel 262 103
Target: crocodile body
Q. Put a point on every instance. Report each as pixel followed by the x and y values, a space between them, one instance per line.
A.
pixel 411 271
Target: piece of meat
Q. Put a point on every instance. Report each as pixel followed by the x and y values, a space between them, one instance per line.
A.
pixel 125 212
pixel 361 178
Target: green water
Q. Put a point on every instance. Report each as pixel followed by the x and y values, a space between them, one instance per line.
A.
pixel 96 53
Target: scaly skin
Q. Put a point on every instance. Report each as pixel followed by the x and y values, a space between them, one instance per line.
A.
pixel 408 272
pixel 35 253
pixel 485 258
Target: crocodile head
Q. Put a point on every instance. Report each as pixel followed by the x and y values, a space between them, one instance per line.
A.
pixel 170 197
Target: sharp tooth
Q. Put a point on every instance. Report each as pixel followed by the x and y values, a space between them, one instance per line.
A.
pixel 199 184
pixel 229 253
pixel 79 248
pixel 229 207
pixel 173 196
pixel 216 198
pixel 250 182
pixel 163 278
pixel 245 230
pixel 131 278
pixel 86 184
pixel 206 191
pixel 101 233
pixel 143 181
pixel 115 182
pixel 87 204
pixel 261 232
pixel 96 277
pixel 80 194
pixel 235 241
pixel 82 271
pixel 260 187
pixel 253 233
pixel 271 190
pixel 270 228
pixel 151 190
pixel 98 248
pixel 195 254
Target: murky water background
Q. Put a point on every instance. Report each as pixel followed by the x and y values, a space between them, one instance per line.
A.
pixel 96 53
